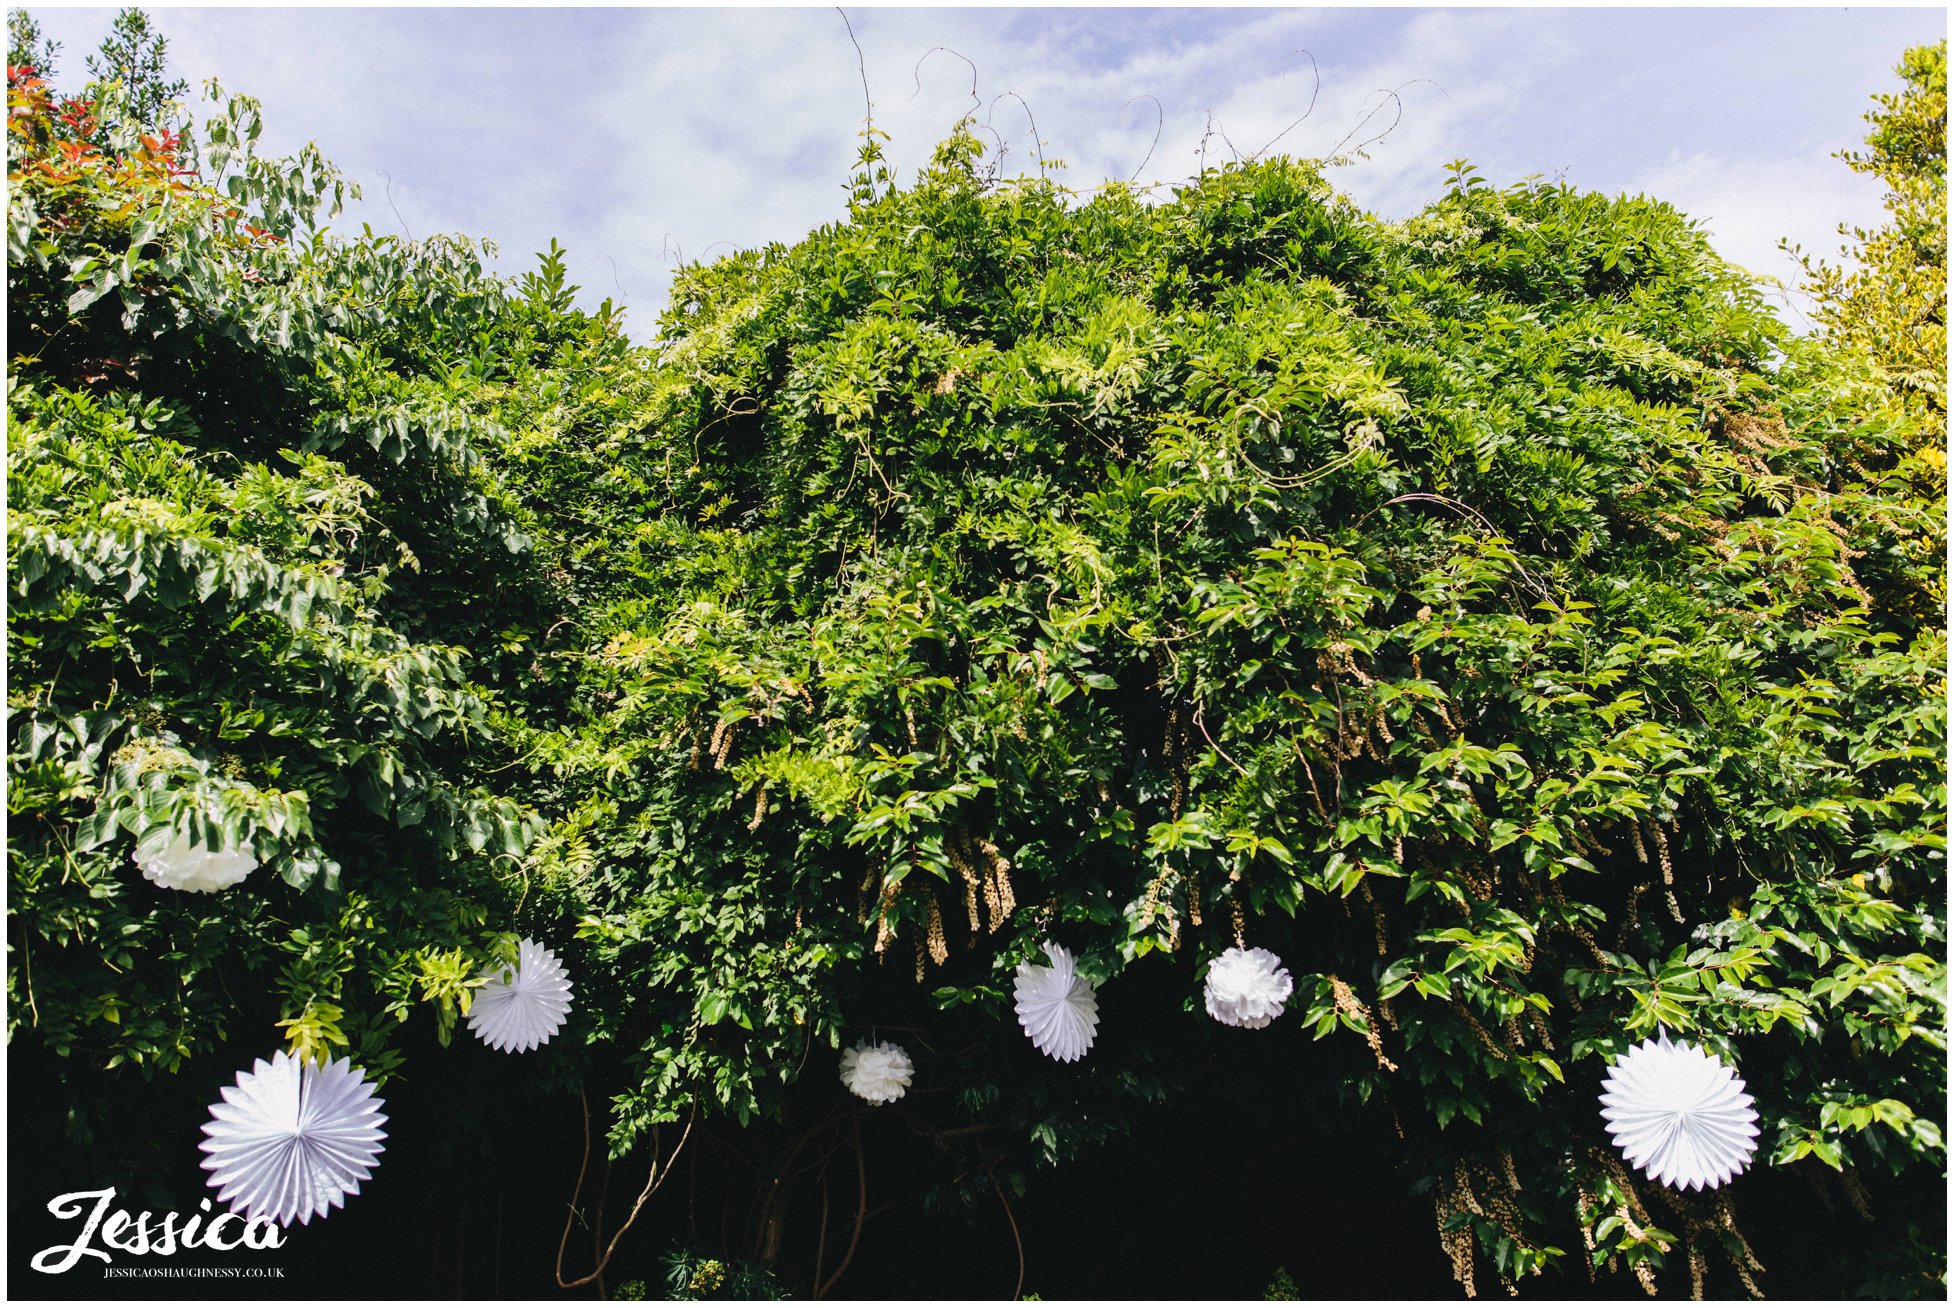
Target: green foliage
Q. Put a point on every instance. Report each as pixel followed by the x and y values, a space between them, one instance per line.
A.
pixel 1893 304
pixel 1495 613
pixel 219 629
pixel 1475 604
pixel 691 1276
pixel 1888 314
pixel 135 57
pixel 27 47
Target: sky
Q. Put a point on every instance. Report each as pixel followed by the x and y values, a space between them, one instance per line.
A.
pixel 640 137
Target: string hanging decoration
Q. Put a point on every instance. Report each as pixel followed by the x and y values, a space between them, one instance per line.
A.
pixel 521 1007
pixel 877 1071
pixel 1057 1006
pixel 290 1140
pixel 1679 1114
pixel 184 864
pixel 1247 987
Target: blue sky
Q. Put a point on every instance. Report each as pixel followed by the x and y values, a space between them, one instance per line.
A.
pixel 636 136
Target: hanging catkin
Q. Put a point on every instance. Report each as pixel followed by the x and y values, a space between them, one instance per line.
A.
pixel 938 946
pixel 884 933
pixel 1000 868
pixel 956 846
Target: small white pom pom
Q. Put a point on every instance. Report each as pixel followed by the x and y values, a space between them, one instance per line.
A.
pixel 522 1008
pixel 1057 1007
pixel 1677 1113
pixel 1247 987
pixel 876 1071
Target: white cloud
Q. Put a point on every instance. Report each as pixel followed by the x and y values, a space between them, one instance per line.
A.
pixel 630 133
pixel 1748 206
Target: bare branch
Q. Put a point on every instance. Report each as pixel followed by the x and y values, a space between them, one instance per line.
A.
pixel 1036 143
pixel 1016 1238
pixel 976 101
pixel 861 1210
pixel 396 208
pixel 1314 91
pixel 652 1183
pixel 1160 123
pixel 868 105
pixel 1391 98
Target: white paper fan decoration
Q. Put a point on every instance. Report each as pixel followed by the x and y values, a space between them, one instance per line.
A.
pixel 1246 987
pixel 292 1140
pixel 521 1007
pixel 877 1071
pixel 184 865
pixel 1056 1006
pixel 1677 1113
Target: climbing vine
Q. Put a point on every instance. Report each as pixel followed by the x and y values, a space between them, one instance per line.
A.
pixel 1496 613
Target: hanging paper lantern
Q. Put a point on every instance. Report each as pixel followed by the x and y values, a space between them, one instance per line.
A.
pixel 521 1007
pixel 876 1071
pixel 1056 1006
pixel 185 865
pixel 292 1140
pixel 1246 987
pixel 1677 1113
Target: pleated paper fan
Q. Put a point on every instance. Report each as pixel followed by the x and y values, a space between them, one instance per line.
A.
pixel 877 1071
pixel 1679 1114
pixel 522 1007
pixel 291 1140
pixel 1247 987
pixel 1057 1007
pixel 185 865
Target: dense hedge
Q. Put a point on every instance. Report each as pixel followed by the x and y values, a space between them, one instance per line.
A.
pixel 1495 613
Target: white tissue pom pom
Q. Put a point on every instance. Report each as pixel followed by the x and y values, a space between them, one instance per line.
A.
pixel 1677 1113
pixel 187 866
pixel 292 1140
pixel 522 1008
pixel 1246 987
pixel 1056 1006
pixel 877 1072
